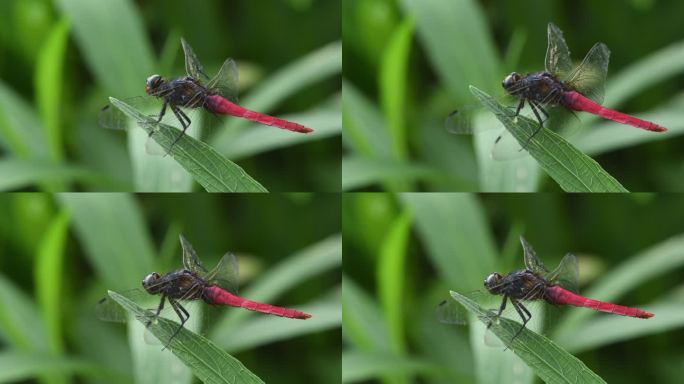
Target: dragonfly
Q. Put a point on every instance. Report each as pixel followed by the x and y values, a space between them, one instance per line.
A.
pixel 193 282
pixel 193 91
pixel 557 92
pixel 536 283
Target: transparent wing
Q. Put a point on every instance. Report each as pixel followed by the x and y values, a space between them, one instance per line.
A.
pixel 532 262
pixel 589 78
pixel 193 68
pixel 225 274
pixel 190 260
pixel 557 60
pixel 225 83
pixel 566 274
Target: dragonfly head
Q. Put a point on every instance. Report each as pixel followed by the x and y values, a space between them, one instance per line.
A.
pixel 152 84
pixel 493 283
pixel 151 284
pixel 510 83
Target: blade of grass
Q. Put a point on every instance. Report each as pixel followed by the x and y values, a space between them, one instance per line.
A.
pixel 604 330
pixel 567 165
pixel 454 231
pixel 366 366
pixel 20 367
pixel 361 319
pixel 390 274
pixel 362 172
pixel 392 91
pixel 111 229
pixel 20 324
pixel 17 174
pixel 48 278
pixel 363 124
pixel 48 86
pixel 207 361
pixel 550 362
pixel 21 132
pixel 211 170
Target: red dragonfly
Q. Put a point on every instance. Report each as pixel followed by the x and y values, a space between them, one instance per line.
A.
pixel 535 282
pixel 194 282
pixel 195 90
pixel 580 89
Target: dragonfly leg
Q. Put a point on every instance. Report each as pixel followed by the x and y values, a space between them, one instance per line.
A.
pixel 159 308
pixel 539 119
pixel 521 104
pixel 184 120
pixel 525 315
pixel 182 314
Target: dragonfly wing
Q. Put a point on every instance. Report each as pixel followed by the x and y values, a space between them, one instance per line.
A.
pixel 225 83
pixel 557 60
pixel 225 274
pixel 589 78
pixel 190 260
pixel 566 274
pixel 532 262
pixel 193 68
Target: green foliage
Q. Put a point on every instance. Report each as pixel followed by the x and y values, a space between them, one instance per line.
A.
pixel 293 73
pixel 423 79
pixel 84 244
pixel 455 242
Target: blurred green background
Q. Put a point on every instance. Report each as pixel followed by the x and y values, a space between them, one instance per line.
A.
pixel 404 252
pixel 59 254
pixel 409 63
pixel 60 61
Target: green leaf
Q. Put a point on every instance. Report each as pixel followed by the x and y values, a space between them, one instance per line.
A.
pixel 359 172
pixel 21 133
pixel 393 78
pixel 572 170
pixel 48 277
pixel 18 367
pixel 391 271
pixel 17 174
pixel 208 362
pixel 366 366
pixel 550 362
pixel 113 234
pixel 361 318
pixel 20 325
pixel 363 124
pixel 48 85
pixel 211 170
pixel 604 330
pixel 453 228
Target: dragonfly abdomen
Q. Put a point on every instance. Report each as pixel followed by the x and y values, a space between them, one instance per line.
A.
pixel 218 104
pixel 217 296
pixel 577 102
pixel 559 296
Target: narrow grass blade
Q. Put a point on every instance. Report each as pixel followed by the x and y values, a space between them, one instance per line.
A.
pixel 568 166
pixel 211 170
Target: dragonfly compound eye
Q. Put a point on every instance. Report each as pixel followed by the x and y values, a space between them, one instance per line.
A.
pixel 152 83
pixel 511 80
pixel 492 281
pixel 150 282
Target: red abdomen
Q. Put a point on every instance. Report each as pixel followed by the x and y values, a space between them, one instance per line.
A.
pixel 559 296
pixel 217 296
pixel 577 102
pixel 218 104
